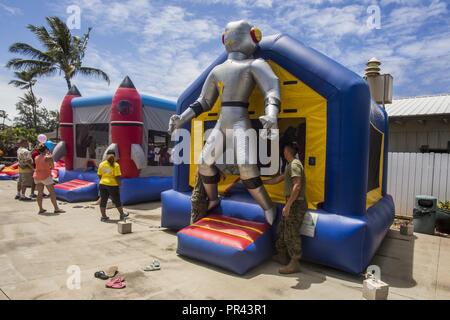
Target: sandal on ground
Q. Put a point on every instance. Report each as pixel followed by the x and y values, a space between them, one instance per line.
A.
pixel 42 211
pixel 116 285
pixel 101 275
pixel 117 282
pixel 154 266
pixel 112 271
pixel 104 219
pixel 59 211
pixel 117 278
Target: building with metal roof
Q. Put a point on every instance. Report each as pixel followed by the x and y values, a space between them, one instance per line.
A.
pixel 420 124
pixel 420 106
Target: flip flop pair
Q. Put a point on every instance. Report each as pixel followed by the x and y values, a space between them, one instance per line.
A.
pixel 154 266
pixel 116 283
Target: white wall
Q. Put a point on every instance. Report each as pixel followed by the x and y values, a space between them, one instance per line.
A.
pixel 411 174
pixel 409 135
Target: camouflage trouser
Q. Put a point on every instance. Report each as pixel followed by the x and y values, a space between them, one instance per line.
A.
pixel 288 237
pixel 199 202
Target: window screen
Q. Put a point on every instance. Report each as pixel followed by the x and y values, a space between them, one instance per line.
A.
pixel 291 129
pixel 91 140
pixel 376 139
pixel 159 148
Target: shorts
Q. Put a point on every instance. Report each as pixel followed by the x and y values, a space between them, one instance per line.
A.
pixel 46 182
pixel 112 192
pixel 26 179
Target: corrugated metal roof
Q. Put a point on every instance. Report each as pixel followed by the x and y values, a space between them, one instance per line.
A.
pixel 419 106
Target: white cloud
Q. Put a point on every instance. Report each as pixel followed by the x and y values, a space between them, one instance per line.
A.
pixel 409 18
pixel 44 89
pixel 10 10
pixel 428 48
pixel 163 47
pixel 237 3
pixel 178 29
pixel 163 54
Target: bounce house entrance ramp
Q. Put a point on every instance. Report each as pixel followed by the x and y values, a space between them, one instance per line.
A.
pixel 76 190
pixel 343 242
pixel 233 244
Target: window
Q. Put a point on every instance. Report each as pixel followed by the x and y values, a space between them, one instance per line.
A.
pixel 376 139
pixel 291 130
pixel 92 140
pixel 159 148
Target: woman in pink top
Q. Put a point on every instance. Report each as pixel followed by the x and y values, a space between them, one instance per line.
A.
pixel 43 177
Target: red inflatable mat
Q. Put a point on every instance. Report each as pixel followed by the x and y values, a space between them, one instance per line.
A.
pixel 227 231
pixel 73 184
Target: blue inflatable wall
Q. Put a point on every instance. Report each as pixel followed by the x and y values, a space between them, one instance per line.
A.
pixel 145 189
pixel 348 230
pixel 132 190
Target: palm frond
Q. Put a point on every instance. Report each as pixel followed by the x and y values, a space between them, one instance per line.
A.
pixel 47 72
pixel 81 44
pixel 60 33
pixel 19 84
pixel 29 99
pixel 26 76
pixel 42 35
pixel 28 50
pixel 24 79
pixel 88 71
pixel 27 64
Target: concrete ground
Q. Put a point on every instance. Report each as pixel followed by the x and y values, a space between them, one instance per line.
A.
pixel 36 252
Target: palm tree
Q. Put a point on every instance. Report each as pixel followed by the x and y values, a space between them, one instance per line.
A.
pixel 25 80
pixel 63 53
pixel 4 116
pixel 30 100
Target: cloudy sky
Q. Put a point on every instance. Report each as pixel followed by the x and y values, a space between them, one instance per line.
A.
pixel 164 45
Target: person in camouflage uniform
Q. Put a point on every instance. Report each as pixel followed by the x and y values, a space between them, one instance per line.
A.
pixel 199 200
pixel 288 244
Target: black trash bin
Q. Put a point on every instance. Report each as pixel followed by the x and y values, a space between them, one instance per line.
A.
pixel 424 214
pixel 443 220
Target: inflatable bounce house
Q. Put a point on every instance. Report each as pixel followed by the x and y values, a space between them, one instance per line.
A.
pixel 131 124
pixel 12 172
pixel 343 138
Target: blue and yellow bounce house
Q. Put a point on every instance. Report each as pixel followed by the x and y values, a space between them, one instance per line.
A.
pixel 343 136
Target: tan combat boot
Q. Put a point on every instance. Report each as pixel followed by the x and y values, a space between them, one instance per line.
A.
pixel 292 267
pixel 281 258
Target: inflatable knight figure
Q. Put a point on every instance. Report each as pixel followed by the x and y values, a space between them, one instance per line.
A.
pixel 236 78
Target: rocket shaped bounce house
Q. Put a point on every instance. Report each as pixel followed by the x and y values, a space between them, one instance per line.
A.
pixel 342 134
pixel 130 124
